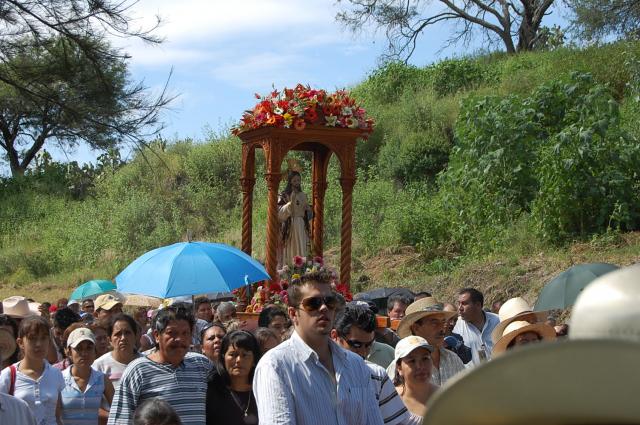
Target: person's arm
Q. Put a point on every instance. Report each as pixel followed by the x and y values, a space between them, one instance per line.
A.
pixel 108 390
pixel 273 397
pixel 59 410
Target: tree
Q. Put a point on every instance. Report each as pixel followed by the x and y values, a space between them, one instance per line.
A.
pixel 596 19
pixel 62 96
pixel 514 24
pixel 79 28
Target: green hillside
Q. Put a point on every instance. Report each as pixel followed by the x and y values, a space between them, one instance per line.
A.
pixel 496 171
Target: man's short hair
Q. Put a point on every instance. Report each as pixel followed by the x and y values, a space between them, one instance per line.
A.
pixel 199 301
pixel 65 317
pixel 294 293
pixel 268 314
pixel 475 295
pixel 177 311
pixel 393 299
pixel 355 315
pixel 225 308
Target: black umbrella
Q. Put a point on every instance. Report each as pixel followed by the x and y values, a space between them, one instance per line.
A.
pixel 379 296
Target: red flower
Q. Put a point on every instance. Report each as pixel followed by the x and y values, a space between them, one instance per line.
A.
pixel 311 115
pixel 318 259
pixel 343 288
pixel 298 261
pixel 299 124
pixel 275 287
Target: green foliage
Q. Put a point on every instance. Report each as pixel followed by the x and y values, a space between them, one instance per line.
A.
pixel 497 154
pixel 453 75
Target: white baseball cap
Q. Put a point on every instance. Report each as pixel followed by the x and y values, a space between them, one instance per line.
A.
pixel 79 335
pixel 406 345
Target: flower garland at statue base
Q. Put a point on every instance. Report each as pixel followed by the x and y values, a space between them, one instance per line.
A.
pixel 275 293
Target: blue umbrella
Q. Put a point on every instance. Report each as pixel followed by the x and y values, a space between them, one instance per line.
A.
pixel 190 268
pixel 91 288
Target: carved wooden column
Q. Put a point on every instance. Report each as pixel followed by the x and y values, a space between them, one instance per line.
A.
pixel 273 227
pixel 346 183
pixel 319 183
pixel 247 182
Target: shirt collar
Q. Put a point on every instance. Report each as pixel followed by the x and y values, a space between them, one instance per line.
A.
pixel 305 352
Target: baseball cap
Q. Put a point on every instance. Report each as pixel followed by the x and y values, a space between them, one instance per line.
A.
pixel 79 335
pixel 106 302
pixel 406 345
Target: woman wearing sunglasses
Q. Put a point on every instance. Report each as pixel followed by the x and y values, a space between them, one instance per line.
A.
pixel 230 398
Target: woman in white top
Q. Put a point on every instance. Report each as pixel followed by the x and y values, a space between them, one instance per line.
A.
pixel 33 379
pixel 123 335
pixel 413 374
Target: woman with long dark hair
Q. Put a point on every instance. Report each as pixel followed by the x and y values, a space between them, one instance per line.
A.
pixel 230 399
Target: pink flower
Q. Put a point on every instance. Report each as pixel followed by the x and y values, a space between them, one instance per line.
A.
pixel 298 261
pixel 318 260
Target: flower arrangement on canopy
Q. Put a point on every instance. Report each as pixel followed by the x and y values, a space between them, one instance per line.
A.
pixel 302 105
pixel 276 291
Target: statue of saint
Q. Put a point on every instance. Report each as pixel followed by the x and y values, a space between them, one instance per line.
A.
pixel 294 214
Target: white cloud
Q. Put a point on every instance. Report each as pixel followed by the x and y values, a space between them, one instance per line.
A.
pixel 197 31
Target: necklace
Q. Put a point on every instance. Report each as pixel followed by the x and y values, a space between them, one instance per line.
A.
pixel 238 402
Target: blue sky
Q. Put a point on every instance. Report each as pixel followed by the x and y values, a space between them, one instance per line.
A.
pixel 222 52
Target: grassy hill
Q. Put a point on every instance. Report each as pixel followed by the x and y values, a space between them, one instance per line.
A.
pixel 480 173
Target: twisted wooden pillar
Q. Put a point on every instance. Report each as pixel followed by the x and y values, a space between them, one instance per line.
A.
pixel 247 181
pixel 345 231
pixel 273 228
pixel 247 213
pixel 319 184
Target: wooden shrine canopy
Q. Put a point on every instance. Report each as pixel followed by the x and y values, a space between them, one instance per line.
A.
pixel 322 141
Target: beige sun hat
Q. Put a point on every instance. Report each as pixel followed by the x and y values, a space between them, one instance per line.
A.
pixel 609 307
pixel 424 307
pixel 516 309
pixel 518 327
pixel 79 335
pixel 551 384
pixel 19 307
pixel 7 344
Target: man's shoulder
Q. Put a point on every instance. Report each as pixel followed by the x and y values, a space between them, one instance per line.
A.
pixel 451 358
pixel 193 359
pixel 281 354
pixel 492 318
pixel 377 371
pixel 12 404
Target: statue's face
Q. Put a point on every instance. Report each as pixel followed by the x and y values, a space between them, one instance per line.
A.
pixel 295 182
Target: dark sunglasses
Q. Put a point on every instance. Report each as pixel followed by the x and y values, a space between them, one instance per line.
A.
pixel 354 343
pixel 314 303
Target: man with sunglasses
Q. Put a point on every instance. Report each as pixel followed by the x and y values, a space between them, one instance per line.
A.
pixel 309 379
pixel 354 331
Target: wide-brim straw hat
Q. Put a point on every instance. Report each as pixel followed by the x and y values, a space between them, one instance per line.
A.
pixel 519 327
pixel 609 307
pixel 424 307
pixel 552 384
pixel 19 307
pixel 7 344
pixel 515 309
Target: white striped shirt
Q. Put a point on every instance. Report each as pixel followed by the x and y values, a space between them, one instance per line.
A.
pixel 292 387
pixel 392 408
pixel 183 387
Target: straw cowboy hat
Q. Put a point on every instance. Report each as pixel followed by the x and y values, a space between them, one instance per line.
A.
pixel 519 327
pixel 422 308
pixel 7 344
pixel 609 307
pixel 516 309
pixel 18 307
pixel 551 384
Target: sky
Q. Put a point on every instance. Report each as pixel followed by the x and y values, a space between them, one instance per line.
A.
pixel 218 53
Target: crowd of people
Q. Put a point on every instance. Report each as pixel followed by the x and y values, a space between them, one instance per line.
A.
pixel 320 360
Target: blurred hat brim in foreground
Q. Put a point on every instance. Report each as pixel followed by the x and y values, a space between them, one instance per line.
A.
pixel 569 382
